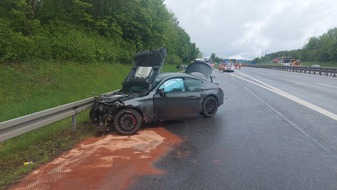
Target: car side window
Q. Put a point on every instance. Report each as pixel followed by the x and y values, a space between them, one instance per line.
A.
pixel 192 85
pixel 173 85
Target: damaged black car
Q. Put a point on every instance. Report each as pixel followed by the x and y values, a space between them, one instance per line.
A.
pixel 148 95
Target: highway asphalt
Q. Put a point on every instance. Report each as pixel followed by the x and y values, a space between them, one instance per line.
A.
pixel 276 130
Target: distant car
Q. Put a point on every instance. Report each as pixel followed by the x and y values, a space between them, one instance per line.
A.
pixel 148 95
pixel 183 66
pixel 316 66
pixel 228 67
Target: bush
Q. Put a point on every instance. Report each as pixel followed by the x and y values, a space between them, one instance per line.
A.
pixel 174 59
pixel 14 47
pixel 61 42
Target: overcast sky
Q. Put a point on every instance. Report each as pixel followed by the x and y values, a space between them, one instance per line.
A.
pixel 246 29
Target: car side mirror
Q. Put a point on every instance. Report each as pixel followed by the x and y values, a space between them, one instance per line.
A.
pixel 161 92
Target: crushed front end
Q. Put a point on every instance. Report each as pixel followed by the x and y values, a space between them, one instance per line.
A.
pixel 137 83
pixel 103 110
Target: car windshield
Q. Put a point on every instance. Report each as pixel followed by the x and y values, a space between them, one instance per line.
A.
pixel 136 87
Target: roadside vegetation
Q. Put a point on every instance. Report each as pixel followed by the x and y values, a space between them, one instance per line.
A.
pixel 321 63
pixel 32 87
pixel 303 63
pixel 56 52
pixel 90 31
pixel 320 50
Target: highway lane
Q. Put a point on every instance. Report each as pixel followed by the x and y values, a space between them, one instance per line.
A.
pixel 319 90
pixel 320 100
pixel 276 130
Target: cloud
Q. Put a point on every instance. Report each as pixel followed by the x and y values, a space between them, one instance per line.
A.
pixel 249 29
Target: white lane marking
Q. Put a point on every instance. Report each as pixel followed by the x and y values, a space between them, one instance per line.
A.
pixel 326 85
pixel 291 123
pixel 288 96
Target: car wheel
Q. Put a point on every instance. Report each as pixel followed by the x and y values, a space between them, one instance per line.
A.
pixel 127 121
pixel 209 106
pixel 92 114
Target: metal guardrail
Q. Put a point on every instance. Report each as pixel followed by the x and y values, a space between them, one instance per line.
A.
pixel 24 124
pixel 332 71
pixel 320 70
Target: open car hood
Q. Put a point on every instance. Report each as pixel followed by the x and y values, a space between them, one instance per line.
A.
pixel 199 68
pixel 147 66
pixel 154 58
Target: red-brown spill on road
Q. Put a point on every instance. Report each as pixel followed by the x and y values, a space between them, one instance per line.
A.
pixel 107 162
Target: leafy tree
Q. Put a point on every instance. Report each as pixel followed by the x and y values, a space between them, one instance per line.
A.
pixel 90 30
pixel 212 57
pixel 322 48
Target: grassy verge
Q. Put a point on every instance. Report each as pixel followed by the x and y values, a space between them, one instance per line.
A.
pixel 321 63
pixel 31 87
pixel 39 146
pixel 304 63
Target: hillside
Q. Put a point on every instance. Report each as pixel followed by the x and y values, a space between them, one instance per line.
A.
pixel 320 50
pixel 89 31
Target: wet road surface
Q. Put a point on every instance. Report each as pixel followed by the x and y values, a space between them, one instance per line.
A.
pixel 259 139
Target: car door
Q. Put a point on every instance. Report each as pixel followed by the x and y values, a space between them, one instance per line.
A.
pixel 175 101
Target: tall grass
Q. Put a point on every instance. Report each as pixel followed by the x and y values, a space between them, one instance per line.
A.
pixel 31 87
pixel 321 63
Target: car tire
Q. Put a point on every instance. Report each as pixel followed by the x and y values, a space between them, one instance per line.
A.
pixel 93 114
pixel 127 121
pixel 209 106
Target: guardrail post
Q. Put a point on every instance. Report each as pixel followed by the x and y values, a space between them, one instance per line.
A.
pixel 73 118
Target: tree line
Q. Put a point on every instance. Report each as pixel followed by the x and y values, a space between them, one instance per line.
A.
pixel 89 31
pixel 322 48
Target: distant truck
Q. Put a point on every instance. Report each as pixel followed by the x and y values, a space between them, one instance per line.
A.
pixel 295 62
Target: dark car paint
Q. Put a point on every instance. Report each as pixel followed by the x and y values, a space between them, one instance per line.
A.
pixel 155 107
pixel 183 105
pixel 199 67
pixel 151 102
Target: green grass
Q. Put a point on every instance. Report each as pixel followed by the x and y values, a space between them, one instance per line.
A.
pixel 39 146
pixel 304 63
pixel 30 87
pixel 321 63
